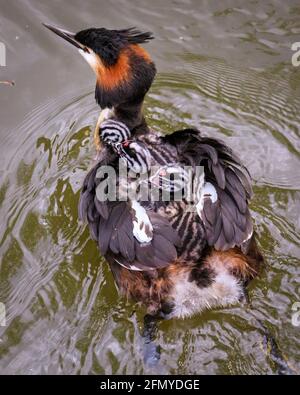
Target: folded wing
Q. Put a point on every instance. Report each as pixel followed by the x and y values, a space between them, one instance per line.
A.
pixel 135 236
pixel 223 199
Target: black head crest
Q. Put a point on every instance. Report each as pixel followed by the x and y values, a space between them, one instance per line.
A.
pixel 109 43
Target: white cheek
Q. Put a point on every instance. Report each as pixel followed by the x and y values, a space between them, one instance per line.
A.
pixel 90 57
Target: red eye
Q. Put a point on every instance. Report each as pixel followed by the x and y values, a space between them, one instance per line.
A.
pixel 126 143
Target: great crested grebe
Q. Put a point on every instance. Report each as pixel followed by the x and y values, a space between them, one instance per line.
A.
pixel 176 260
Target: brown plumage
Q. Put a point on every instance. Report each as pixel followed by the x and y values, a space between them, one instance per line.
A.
pixel 153 288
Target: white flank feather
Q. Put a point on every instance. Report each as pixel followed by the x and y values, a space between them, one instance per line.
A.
pixel 142 227
pixel 208 191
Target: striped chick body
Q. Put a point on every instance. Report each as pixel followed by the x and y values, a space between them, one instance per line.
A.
pixel 200 277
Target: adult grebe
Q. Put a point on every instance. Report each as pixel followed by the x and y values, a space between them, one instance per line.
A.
pixel 177 257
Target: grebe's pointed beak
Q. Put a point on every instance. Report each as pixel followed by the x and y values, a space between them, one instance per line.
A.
pixel 68 36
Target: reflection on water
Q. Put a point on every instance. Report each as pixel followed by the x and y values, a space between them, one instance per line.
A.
pixel 63 311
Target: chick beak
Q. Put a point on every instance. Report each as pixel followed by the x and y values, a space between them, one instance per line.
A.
pixel 68 36
pixel 118 148
pixel 11 83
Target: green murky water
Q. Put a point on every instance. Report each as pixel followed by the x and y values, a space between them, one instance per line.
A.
pixel 225 67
